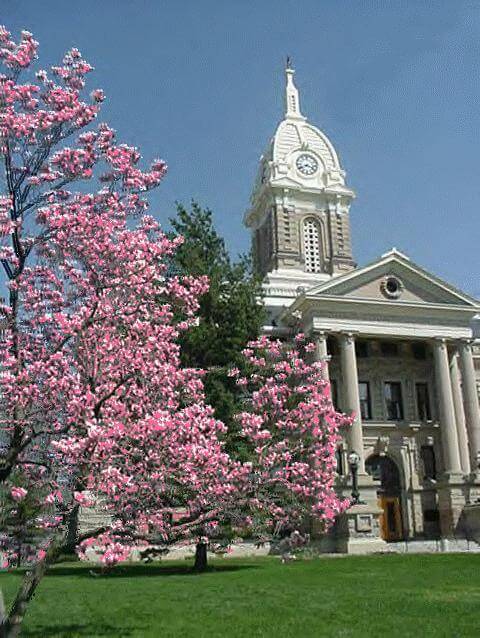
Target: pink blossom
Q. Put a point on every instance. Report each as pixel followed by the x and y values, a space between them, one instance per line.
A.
pixel 18 493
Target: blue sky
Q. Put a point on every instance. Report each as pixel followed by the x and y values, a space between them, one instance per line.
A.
pixel 395 85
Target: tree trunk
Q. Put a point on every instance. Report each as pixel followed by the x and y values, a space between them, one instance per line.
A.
pixel 12 624
pixel 72 531
pixel 200 557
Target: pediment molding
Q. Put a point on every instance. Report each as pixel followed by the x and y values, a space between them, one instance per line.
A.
pixel 419 287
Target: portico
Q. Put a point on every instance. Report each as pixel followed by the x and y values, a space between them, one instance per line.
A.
pixel 405 368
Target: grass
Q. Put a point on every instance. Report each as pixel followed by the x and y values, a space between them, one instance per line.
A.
pixel 375 596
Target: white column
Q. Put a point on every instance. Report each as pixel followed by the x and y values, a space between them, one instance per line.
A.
pixel 459 414
pixel 470 401
pixel 321 352
pixel 447 410
pixel 351 397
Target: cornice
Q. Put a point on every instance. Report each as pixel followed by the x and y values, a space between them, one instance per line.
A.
pixel 394 307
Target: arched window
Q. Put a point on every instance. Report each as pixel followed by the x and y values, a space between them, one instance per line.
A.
pixel 311 245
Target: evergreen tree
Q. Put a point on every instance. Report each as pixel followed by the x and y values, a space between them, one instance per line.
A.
pixel 230 315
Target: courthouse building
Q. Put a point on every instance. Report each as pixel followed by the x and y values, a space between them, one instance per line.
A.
pixel 400 342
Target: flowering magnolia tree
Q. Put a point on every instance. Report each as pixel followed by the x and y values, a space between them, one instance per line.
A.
pixel 93 401
pixel 292 428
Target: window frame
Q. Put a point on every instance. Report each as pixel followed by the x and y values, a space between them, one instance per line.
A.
pixel 429 418
pixel 367 401
pixel 400 402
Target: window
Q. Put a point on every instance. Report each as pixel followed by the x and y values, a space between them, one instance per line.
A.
pixel 334 393
pixel 340 463
pixel 365 402
pixel 361 349
pixel 391 287
pixel 419 351
pixel 427 454
pixel 393 400
pixel 311 245
pixel 423 402
pixel 332 346
pixel 389 348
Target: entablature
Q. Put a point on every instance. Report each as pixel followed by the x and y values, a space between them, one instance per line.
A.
pixel 387 329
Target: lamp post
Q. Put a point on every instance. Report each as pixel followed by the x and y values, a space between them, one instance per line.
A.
pixel 353 461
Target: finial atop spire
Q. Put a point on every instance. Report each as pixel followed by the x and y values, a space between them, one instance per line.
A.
pixel 292 100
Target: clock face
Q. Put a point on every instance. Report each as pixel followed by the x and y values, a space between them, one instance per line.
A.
pixel 307 164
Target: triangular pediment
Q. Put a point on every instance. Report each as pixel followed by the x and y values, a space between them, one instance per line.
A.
pixel 394 278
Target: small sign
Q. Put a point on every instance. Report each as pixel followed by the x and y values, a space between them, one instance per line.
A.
pixel 364 523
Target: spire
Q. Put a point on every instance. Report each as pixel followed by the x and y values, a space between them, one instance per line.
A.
pixel 292 99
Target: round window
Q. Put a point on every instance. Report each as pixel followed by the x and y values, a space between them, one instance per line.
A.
pixel 391 287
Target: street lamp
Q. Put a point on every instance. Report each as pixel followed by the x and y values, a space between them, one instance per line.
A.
pixel 353 461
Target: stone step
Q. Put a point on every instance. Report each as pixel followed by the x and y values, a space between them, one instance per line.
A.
pixel 444 545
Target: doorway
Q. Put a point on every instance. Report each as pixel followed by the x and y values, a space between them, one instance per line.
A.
pixel 385 471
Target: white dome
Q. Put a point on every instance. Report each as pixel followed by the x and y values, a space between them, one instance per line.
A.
pixel 296 135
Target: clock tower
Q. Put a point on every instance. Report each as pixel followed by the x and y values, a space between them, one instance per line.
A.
pixel 299 214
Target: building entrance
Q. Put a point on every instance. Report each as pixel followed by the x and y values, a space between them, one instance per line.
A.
pixel 385 471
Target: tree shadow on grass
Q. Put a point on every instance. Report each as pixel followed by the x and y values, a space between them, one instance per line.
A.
pixel 93 571
pixel 67 631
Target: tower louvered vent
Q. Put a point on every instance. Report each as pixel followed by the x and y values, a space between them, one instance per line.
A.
pixel 311 244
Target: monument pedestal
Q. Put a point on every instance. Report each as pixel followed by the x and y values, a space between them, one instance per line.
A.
pixel 358 530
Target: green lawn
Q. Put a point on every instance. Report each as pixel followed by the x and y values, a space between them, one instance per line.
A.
pixel 376 596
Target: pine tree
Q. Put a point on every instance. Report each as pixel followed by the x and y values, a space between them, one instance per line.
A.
pixel 231 313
